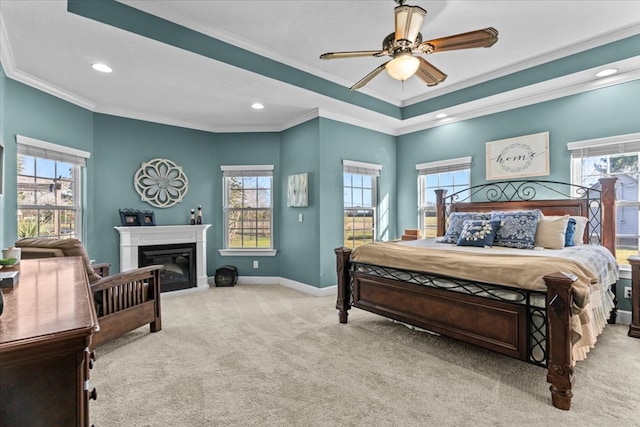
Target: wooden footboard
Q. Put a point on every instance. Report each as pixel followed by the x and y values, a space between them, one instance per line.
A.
pixel 127 301
pixel 496 325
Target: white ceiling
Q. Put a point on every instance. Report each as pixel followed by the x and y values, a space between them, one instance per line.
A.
pixel 46 47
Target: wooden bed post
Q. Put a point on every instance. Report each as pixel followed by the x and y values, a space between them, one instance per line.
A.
pixel 634 328
pixel 560 372
pixel 608 213
pixel 440 211
pixel 343 302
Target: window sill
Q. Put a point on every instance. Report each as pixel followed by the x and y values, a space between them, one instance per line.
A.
pixel 248 252
pixel 625 272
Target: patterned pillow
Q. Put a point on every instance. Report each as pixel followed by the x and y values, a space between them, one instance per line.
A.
pixel 571 231
pixel 480 232
pixel 517 228
pixel 456 222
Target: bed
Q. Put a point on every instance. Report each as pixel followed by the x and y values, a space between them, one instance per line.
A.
pixel 550 318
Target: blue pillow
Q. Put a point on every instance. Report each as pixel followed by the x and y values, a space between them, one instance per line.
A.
pixel 480 232
pixel 517 228
pixel 456 222
pixel 571 231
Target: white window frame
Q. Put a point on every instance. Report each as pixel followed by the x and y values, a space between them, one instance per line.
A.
pixel 607 146
pixel 435 168
pixel 364 169
pixel 78 158
pixel 245 170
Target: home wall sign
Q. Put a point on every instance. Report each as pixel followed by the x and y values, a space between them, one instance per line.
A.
pixel 518 157
pixel 161 183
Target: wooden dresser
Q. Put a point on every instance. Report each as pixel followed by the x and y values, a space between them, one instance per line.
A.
pixel 45 332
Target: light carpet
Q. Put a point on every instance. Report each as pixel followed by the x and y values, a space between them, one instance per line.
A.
pixel 266 355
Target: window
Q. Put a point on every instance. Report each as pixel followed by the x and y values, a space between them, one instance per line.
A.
pixel 248 207
pixel 49 189
pixel 616 157
pixel 452 175
pixel 360 200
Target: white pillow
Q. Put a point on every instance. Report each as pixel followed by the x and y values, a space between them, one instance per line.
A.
pixel 581 224
pixel 551 232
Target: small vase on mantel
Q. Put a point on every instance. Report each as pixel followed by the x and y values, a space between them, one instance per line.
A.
pixel 199 218
pixel 193 217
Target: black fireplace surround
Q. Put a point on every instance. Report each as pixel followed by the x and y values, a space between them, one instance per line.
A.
pixel 179 262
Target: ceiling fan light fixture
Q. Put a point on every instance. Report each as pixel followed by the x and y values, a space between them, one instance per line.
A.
pixel 408 22
pixel 402 66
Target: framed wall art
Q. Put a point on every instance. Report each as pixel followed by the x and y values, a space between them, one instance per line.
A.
pixel 297 193
pixel 519 157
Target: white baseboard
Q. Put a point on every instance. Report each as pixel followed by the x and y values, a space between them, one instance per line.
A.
pixel 288 283
pixel 308 289
pixel 624 317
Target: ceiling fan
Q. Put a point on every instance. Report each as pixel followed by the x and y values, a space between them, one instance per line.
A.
pixel 407 40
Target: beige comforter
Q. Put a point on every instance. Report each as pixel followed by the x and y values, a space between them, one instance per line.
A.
pixel 515 268
pixel 493 267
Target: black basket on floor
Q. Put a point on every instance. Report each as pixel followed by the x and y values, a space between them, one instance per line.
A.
pixel 227 275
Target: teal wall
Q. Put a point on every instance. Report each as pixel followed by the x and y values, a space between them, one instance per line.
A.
pixel 305 249
pixel 339 141
pixel 245 149
pixel 121 145
pixel 299 246
pixel 3 142
pixel 32 113
pixel 599 113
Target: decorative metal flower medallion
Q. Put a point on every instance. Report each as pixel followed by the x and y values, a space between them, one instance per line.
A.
pixel 161 183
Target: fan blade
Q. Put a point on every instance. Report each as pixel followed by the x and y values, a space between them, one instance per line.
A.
pixel 480 38
pixel 408 22
pixel 354 54
pixel 369 77
pixel 429 74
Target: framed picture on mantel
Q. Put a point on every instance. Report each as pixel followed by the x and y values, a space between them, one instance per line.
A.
pixel 147 218
pixel 129 217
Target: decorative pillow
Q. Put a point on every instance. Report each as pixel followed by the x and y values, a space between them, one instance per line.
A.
pixel 581 224
pixel 479 232
pixel 570 232
pixel 70 247
pixel 517 228
pixel 551 232
pixel 456 222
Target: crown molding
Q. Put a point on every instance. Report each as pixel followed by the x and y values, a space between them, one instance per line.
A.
pixel 540 92
pixel 606 38
pixel 157 9
pixel 529 95
pixel 8 62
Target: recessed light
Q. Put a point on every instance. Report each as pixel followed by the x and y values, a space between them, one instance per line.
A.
pixel 607 72
pixel 257 106
pixel 103 68
pixel 441 115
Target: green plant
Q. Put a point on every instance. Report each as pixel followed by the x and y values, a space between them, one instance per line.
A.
pixel 29 228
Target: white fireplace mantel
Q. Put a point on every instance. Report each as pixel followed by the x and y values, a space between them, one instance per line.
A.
pixel 133 237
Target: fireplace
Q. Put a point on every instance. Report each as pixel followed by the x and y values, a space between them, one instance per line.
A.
pixel 133 238
pixel 179 262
